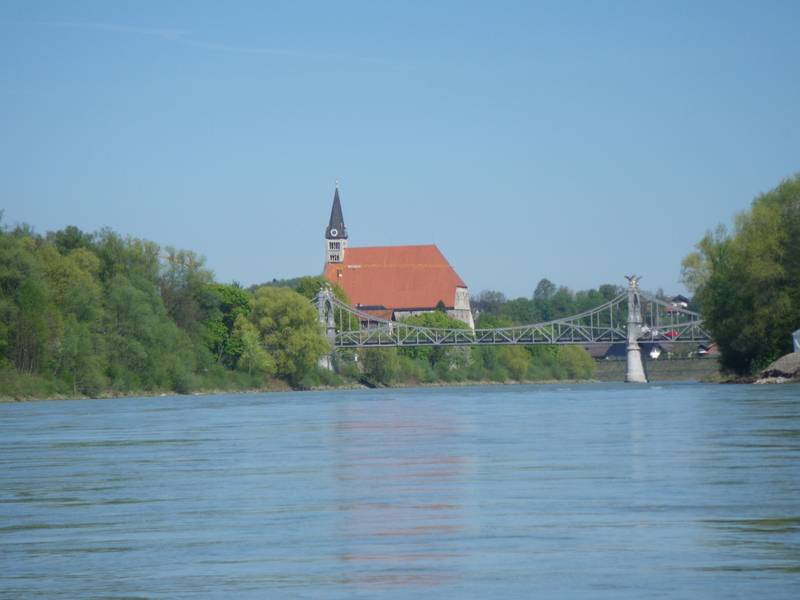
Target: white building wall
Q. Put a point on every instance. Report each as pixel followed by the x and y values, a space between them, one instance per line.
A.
pixel 461 309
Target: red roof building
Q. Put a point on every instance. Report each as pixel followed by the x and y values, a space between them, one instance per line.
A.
pixel 393 282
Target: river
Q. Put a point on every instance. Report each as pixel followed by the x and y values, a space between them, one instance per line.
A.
pixel 551 491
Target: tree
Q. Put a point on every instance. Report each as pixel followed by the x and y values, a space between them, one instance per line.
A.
pixel 182 281
pixel 488 301
pixel 522 311
pixel 544 291
pixel 515 359
pixel 309 287
pixel 576 361
pixel 291 332
pixel 126 256
pixel 433 354
pixel 72 280
pixel 562 303
pixel 146 349
pixel 380 365
pixel 223 305
pixel 587 300
pixel 79 362
pixel 747 283
pixel 32 330
pixel 609 291
pixel 253 356
pixel 70 238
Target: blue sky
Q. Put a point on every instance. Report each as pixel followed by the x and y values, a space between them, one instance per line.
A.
pixel 578 141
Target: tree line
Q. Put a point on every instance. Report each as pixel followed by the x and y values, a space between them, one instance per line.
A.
pixel 491 363
pixel 88 314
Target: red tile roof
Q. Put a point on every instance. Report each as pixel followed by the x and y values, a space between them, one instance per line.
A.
pixel 396 277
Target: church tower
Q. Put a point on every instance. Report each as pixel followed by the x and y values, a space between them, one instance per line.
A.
pixel 335 233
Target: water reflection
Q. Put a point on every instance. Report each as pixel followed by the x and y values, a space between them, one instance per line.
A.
pixel 401 487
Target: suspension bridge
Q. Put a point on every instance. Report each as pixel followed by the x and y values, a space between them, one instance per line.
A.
pixel 632 318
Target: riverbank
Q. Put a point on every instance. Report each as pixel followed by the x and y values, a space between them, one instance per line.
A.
pixel 611 372
pixel 283 387
pixel 276 385
pixel 784 370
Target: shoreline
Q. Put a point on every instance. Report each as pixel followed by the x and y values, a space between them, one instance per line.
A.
pixel 284 389
pixel 348 386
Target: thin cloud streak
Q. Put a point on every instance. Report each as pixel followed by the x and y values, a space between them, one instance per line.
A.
pixel 279 52
pixel 181 36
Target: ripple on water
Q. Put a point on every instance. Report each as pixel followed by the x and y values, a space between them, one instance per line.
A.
pixel 596 491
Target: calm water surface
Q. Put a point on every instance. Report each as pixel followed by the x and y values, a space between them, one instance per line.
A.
pixel 595 491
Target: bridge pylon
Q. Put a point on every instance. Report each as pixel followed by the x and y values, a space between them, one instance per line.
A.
pixel 634 373
pixel 324 302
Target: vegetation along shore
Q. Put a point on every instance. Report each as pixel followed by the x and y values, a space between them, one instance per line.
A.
pixel 102 314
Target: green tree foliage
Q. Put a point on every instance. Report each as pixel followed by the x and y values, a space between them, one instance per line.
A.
pixel 515 360
pixel 97 313
pixel 184 286
pixel 70 238
pixel 545 290
pixel 290 330
pixel 747 283
pixel 380 365
pixel 523 311
pixel 253 356
pixel 93 313
pixel 79 361
pixel 577 363
pixel 536 363
pixel 146 349
pixel 35 325
pixel 126 256
pixel 488 301
pixel 549 302
pixel 309 287
pixel 560 362
pixel 439 357
pixel 222 304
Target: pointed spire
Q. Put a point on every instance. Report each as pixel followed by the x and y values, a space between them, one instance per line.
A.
pixel 336 229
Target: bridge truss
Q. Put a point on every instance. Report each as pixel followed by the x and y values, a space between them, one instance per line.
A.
pixel 662 322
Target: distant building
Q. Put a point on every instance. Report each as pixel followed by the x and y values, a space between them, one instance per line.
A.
pixel 677 303
pixel 711 349
pixel 393 282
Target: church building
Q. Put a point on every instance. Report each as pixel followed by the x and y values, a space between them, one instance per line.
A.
pixel 393 282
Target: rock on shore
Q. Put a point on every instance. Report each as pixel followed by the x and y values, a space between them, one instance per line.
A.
pixel 783 370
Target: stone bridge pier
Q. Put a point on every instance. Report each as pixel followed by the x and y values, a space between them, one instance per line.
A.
pixel 325 306
pixel 634 373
